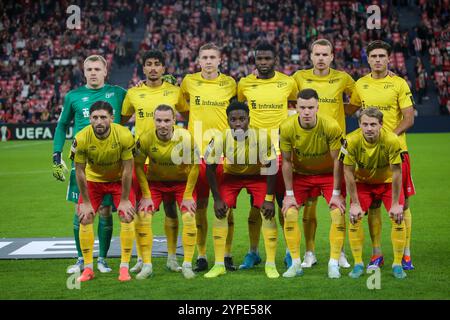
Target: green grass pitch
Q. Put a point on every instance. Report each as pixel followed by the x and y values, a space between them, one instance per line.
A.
pixel 33 205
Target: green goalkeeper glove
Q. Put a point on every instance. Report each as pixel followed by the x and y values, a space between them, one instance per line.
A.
pixel 59 167
pixel 170 79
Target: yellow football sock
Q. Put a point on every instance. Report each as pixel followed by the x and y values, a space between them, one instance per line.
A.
pixel 254 227
pixel 356 238
pixel 375 224
pixel 270 234
pixel 398 238
pixel 220 230
pixel 310 224
pixel 292 232
pixel 171 230
pixel 202 230
pixel 337 233
pixel 408 221
pixel 87 242
pixel 144 235
pixel 127 234
pixel 189 235
pixel 230 234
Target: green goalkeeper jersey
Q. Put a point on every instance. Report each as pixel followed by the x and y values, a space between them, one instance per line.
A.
pixel 76 107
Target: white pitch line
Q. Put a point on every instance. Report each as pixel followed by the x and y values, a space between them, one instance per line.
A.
pixel 22 145
pixel 12 173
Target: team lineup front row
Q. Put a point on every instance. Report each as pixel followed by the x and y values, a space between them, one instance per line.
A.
pixel 276 157
pixel 369 158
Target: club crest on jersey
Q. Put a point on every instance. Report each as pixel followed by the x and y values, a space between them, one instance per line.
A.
pixel 142 95
pixel 154 149
pixel 92 148
pixel 281 84
pixel 85 99
pixel 109 95
pixel 114 145
pixel 309 81
pixel 365 86
pixel 166 93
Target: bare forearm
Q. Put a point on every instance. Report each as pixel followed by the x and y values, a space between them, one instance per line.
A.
pixel 396 185
pixel 143 183
pixel 126 179
pixel 350 109
pixel 287 173
pixel 351 186
pixel 124 119
pixel 271 184
pixel 404 125
pixel 337 173
pixel 82 183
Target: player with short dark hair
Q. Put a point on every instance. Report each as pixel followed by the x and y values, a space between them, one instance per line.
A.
pixel 103 156
pixel 249 162
pixel 393 97
pixel 310 145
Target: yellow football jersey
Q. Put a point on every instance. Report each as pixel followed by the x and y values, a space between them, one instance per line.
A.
pixel 103 156
pixel 330 89
pixel 248 156
pixel 208 101
pixel 372 160
pixel 390 95
pixel 143 100
pixel 310 148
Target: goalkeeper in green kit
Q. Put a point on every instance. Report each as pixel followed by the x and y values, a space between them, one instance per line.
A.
pixel 76 107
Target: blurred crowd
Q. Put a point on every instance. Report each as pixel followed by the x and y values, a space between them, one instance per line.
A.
pixel 40 59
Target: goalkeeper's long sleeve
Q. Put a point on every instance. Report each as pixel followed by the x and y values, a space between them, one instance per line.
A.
pixel 65 118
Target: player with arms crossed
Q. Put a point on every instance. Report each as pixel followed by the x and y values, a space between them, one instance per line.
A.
pixel 392 96
pixel 76 108
pixel 310 145
pixel 373 172
pixel 103 155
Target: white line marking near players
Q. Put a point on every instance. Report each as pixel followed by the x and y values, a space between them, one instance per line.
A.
pixel 22 145
pixel 13 173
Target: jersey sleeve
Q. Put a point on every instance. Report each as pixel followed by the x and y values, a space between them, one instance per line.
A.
pixel 285 140
pixel 181 105
pixel 395 151
pixel 347 154
pixel 405 98
pixel 127 107
pixel 334 136
pixel 349 85
pixel 64 120
pixel 296 77
pixel 79 149
pixel 240 91
pixel 355 99
pixel 184 92
pixel 127 145
pixel 294 90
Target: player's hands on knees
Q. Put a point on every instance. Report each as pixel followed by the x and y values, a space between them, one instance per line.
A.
pixel 189 204
pixel 337 202
pixel 268 209
pixel 289 201
pixel 396 213
pixel 146 205
pixel 86 213
pixel 126 210
pixel 356 213
pixel 220 208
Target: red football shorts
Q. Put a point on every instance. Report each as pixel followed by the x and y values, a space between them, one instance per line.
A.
pixel 168 191
pixel 367 193
pixel 202 186
pixel 312 186
pixel 407 182
pixel 232 184
pixel 97 190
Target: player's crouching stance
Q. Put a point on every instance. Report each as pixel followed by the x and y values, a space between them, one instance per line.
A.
pixel 310 146
pixel 103 155
pixel 172 175
pixel 249 162
pixel 372 168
